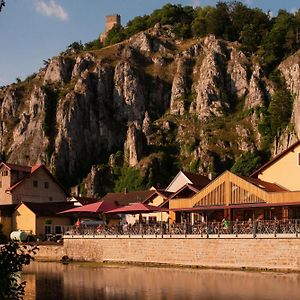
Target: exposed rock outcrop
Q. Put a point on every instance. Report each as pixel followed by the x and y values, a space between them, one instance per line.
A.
pixel 153 95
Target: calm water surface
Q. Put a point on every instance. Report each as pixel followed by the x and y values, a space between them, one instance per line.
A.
pixel 57 281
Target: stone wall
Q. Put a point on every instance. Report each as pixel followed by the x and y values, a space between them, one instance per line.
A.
pixel 280 254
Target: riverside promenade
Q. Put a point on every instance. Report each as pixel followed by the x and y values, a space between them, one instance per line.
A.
pixel 263 252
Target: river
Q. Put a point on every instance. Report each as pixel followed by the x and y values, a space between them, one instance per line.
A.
pixel 57 281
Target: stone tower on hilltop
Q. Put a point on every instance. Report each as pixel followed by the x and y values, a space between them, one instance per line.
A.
pixel 110 22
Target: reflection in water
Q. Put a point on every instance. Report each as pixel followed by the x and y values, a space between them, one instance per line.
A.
pixel 57 281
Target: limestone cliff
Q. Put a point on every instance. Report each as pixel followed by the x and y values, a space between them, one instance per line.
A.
pixel 195 101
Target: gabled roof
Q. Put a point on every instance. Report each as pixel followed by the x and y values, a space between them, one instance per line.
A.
pixel 34 169
pixel 47 209
pixel 129 197
pixel 195 179
pixel 267 186
pixel 275 159
pixel 15 167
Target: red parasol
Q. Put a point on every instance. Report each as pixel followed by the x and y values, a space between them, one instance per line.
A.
pixel 97 207
pixel 136 208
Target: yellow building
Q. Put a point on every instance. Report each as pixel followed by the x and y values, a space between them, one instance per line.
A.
pixel 273 191
pixel 41 219
pixel 283 169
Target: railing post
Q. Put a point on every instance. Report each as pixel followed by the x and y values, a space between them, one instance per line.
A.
pixel 218 229
pixel 275 228
pixel 296 228
pixel 254 229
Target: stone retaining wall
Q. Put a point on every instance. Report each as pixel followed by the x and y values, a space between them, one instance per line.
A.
pixel 280 254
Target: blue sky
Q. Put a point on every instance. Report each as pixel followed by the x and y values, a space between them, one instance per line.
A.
pixel 34 30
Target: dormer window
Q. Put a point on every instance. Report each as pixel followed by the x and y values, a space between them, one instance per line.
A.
pixel 4 173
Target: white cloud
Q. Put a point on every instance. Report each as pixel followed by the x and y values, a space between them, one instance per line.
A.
pixel 196 3
pixel 51 8
pixel 249 2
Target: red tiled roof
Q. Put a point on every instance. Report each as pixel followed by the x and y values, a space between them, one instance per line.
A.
pixel 46 209
pixel 272 161
pixel 267 186
pixel 130 197
pixel 197 179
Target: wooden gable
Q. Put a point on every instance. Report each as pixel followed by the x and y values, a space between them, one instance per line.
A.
pixel 229 189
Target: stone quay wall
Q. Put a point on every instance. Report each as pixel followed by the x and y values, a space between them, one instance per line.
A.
pixel 242 253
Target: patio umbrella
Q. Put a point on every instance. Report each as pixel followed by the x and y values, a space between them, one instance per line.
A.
pixel 136 208
pixel 97 207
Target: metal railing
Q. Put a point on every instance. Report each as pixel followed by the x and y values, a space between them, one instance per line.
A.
pixel 203 229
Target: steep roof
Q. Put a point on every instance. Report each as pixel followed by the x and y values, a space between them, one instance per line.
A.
pixel 197 179
pixel 47 209
pixel 130 197
pixel 33 169
pixel 275 159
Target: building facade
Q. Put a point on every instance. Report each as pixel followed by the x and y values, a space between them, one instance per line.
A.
pixel 29 184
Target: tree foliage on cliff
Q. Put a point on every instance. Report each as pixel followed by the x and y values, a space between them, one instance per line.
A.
pixel 272 38
pixel 12 259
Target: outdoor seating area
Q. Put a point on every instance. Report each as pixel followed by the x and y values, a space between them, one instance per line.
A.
pixel 203 229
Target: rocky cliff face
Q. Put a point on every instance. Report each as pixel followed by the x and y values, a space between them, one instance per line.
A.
pixel 149 94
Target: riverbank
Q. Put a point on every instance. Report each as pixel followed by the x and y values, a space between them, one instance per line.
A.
pixel 242 254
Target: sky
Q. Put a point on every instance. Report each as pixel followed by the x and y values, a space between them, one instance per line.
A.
pixel 36 30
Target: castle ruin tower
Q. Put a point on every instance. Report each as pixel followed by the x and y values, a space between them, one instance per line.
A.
pixel 110 22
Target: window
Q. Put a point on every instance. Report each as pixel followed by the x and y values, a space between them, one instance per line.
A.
pixel 35 183
pixel 58 229
pixel 50 199
pixel 4 173
pixel 48 229
pixel 298 156
pixel 0 184
pixel 46 185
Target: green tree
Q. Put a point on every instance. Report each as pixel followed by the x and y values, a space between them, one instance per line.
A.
pixel 199 24
pixel 280 41
pixel 12 259
pixel 130 179
pixel 115 35
pixel 247 163
pixel 93 45
pixel 219 22
pixel 136 25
